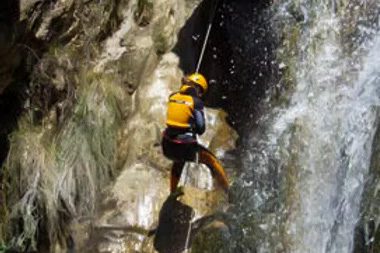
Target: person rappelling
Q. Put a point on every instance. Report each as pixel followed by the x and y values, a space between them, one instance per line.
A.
pixel 186 120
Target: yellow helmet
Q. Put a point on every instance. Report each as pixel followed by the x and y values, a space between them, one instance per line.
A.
pixel 198 80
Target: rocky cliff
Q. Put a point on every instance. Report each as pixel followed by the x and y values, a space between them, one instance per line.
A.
pixel 84 87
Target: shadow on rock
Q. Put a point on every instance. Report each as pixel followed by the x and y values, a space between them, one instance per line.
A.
pixel 175 231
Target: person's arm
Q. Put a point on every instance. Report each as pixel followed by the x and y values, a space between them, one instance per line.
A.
pixel 199 117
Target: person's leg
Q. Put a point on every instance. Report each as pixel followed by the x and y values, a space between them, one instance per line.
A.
pixel 179 153
pixel 207 158
pixel 175 175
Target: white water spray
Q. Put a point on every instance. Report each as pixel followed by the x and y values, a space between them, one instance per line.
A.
pixel 334 108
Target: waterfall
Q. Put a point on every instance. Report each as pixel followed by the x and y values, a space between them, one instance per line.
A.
pixel 308 160
pixel 340 121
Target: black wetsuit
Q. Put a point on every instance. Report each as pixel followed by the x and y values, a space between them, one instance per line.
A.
pixel 180 145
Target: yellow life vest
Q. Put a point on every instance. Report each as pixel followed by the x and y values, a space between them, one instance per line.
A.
pixel 180 110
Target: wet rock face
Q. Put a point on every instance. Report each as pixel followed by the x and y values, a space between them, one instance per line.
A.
pixel 177 226
pixel 240 56
pixel 174 226
pixel 89 122
pixel 367 234
pixel 144 184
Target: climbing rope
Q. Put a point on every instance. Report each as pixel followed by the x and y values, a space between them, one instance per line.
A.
pixel 188 236
pixel 186 181
pixel 197 70
pixel 207 36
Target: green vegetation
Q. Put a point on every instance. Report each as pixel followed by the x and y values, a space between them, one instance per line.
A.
pixel 3 249
pixel 144 13
pixel 55 174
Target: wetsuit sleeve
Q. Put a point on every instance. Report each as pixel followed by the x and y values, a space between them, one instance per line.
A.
pixel 199 117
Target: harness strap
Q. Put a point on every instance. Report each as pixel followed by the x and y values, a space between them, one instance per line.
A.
pixel 178 141
pixel 180 102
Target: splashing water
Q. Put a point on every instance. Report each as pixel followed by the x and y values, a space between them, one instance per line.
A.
pixel 320 145
pixel 340 122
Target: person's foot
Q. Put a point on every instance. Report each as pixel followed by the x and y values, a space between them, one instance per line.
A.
pixel 179 191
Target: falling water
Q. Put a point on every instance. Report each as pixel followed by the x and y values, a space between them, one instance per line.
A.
pixel 313 155
pixel 339 119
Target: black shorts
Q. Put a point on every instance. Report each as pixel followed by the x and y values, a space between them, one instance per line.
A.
pixel 179 150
